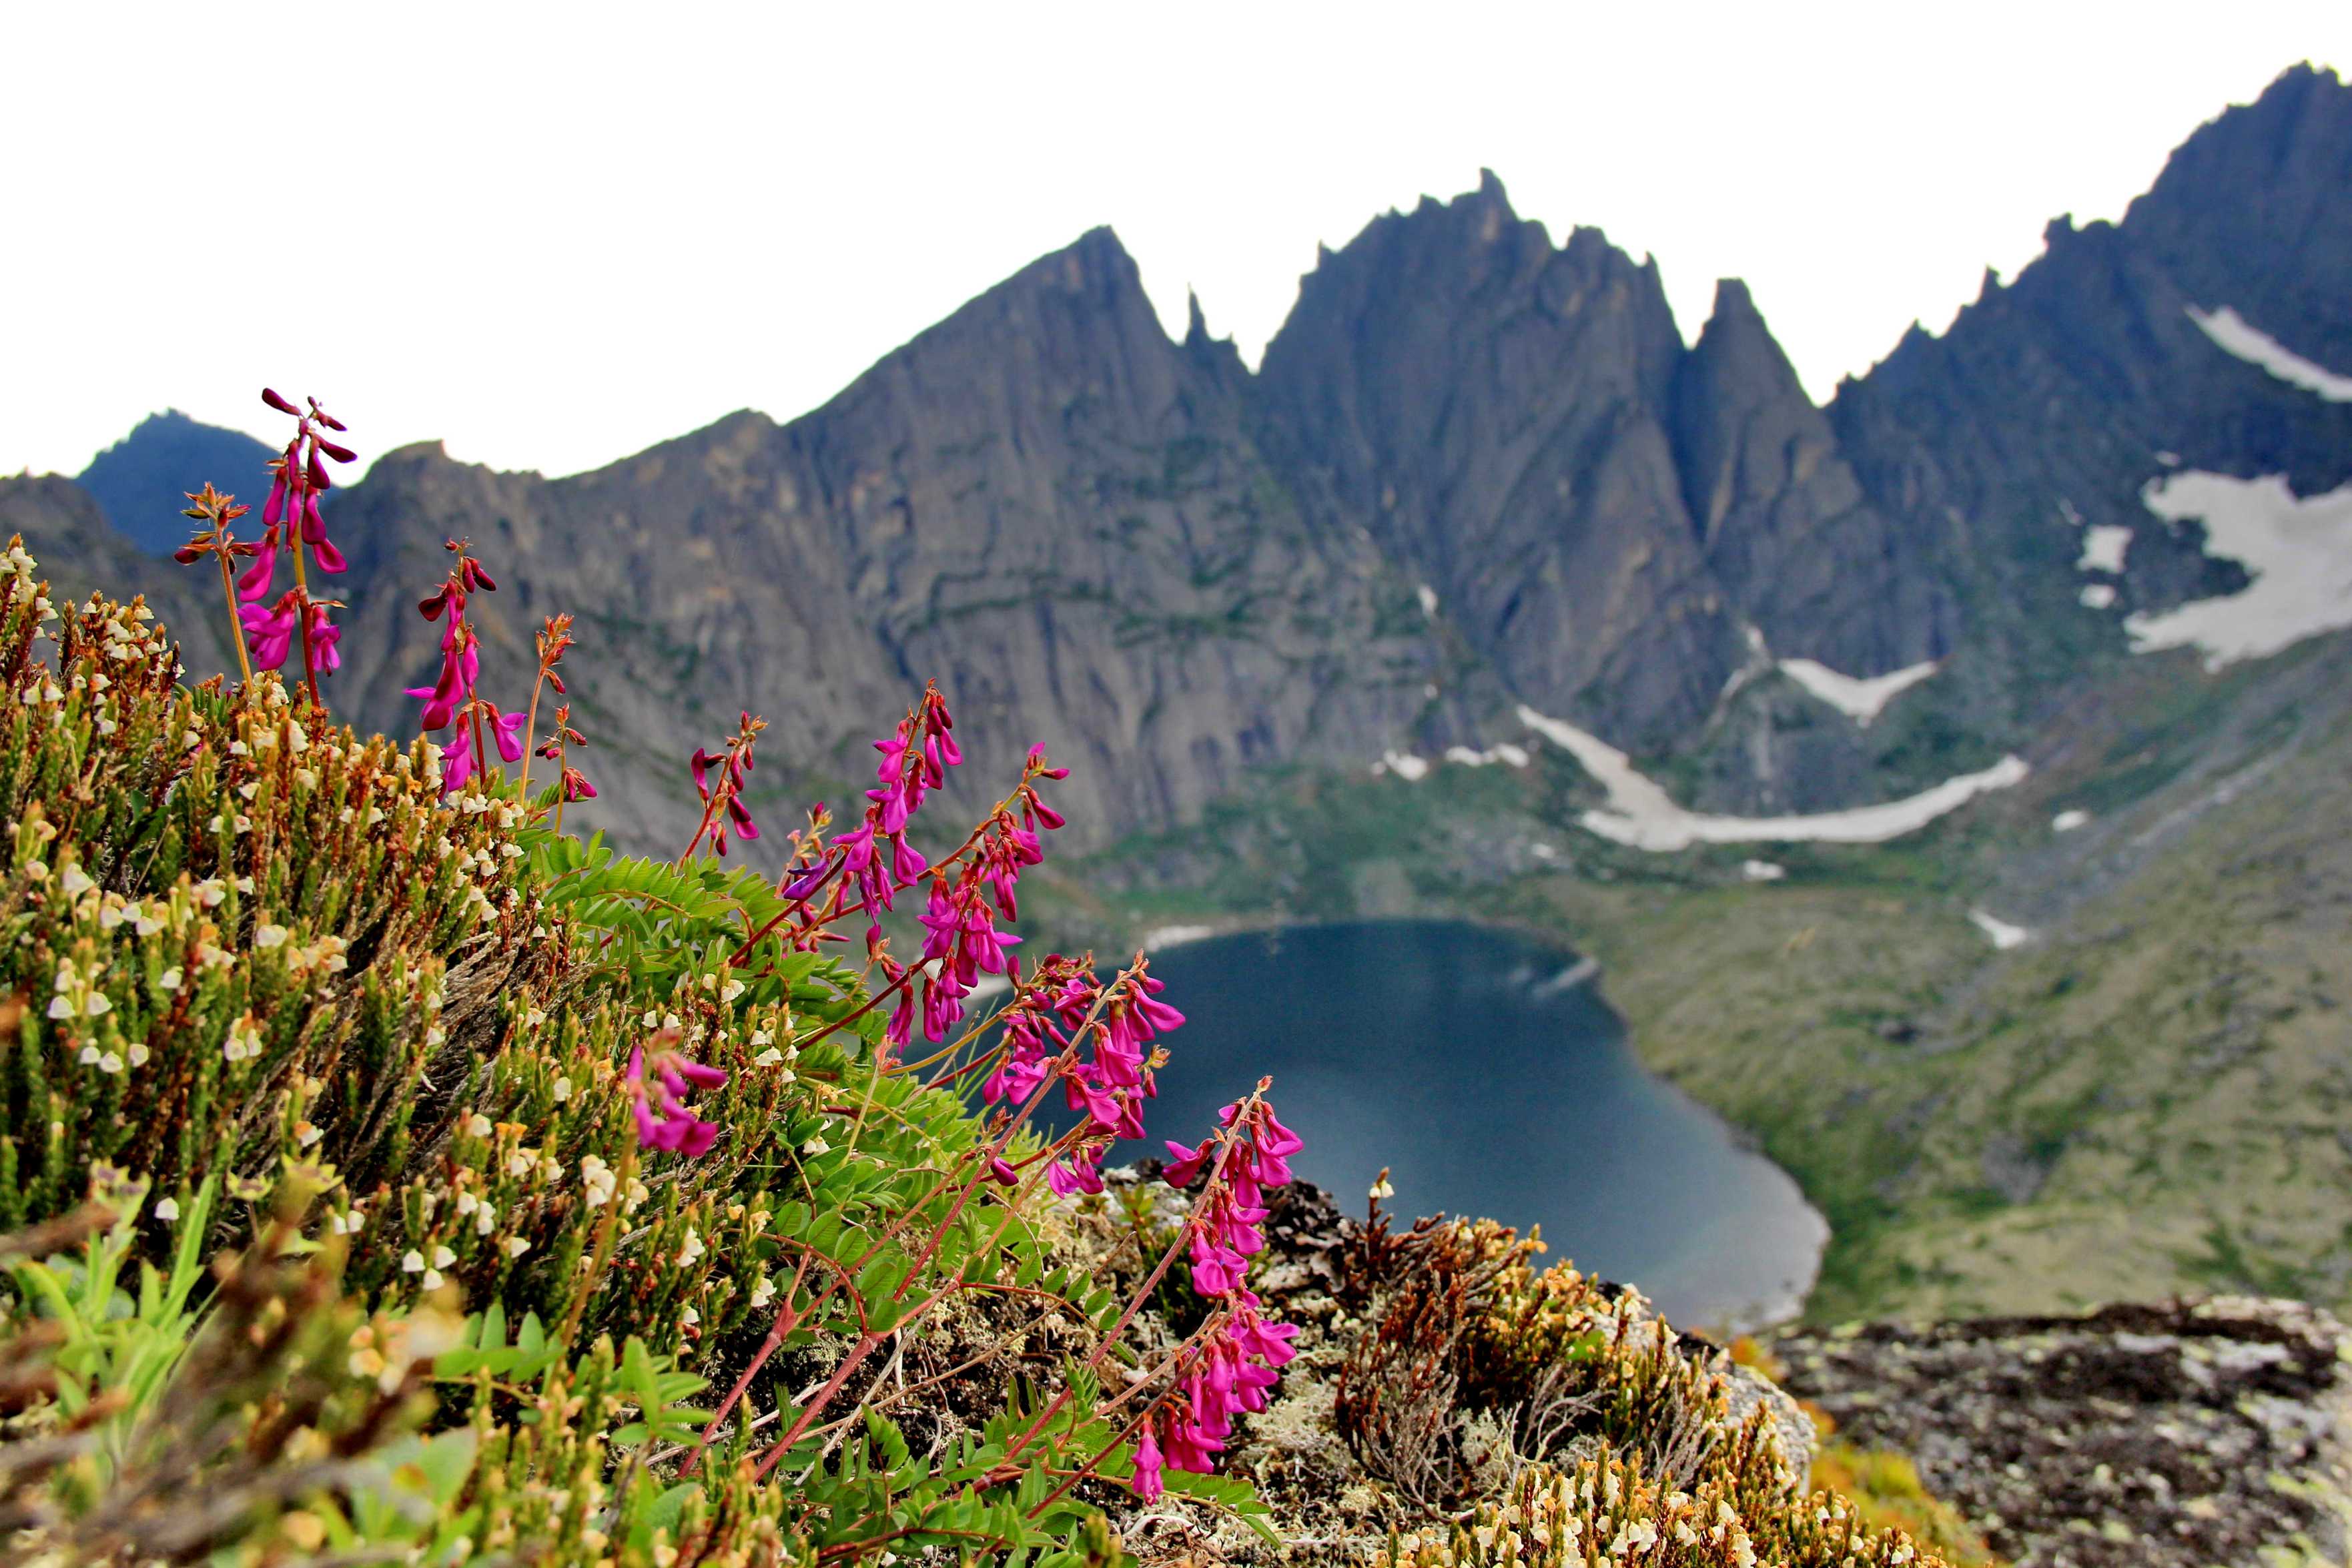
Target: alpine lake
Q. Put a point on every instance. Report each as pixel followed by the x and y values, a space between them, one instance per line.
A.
pixel 1489 1076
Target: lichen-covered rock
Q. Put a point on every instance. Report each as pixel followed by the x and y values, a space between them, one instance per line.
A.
pixel 2193 1433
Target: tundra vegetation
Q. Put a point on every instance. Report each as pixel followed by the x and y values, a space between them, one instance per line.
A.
pixel 390 1175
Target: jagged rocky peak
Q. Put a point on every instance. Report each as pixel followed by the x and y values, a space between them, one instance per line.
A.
pixel 1216 356
pixel 1078 316
pixel 1602 512
pixel 1493 409
pixel 141 480
pixel 1781 519
pixel 2250 212
pixel 1744 429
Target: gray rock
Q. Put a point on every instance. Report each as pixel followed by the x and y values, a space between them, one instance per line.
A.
pixel 2189 1433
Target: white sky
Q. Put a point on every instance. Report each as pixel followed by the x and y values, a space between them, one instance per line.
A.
pixel 555 234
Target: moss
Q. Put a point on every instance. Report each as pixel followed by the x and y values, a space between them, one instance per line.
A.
pixel 1888 1494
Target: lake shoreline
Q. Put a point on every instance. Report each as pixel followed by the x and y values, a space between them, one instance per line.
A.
pixel 1802 1231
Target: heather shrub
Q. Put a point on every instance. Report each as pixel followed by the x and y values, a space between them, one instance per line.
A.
pixel 392 1173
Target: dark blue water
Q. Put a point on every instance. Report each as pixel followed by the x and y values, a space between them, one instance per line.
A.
pixel 1469 1062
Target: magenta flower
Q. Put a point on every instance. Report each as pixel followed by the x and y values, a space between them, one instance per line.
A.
pixel 658 1083
pixel 274 633
pixel 1147 1483
pixel 1231 1371
pixel 508 735
pixel 1226 1221
pixel 290 517
pixel 1077 1172
pixel 270 632
pixel 1025 1065
pixel 454 697
pixel 461 662
pixel 457 761
pixel 722 798
pixel 255 581
pixel 915 760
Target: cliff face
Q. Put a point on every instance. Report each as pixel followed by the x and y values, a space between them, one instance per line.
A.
pixel 1474 469
pixel 1605 514
pixel 1042 502
pixel 1493 410
pixel 1780 516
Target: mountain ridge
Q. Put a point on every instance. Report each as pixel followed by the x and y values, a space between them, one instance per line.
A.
pixel 1473 470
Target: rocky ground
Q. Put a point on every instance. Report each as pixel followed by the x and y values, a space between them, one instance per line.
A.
pixel 2189 1433
pixel 1437 1369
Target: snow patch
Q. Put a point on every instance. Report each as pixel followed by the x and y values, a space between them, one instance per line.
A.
pixel 1160 937
pixel 2169 459
pixel 1412 769
pixel 1643 816
pixel 2241 339
pixel 1569 979
pixel 1428 597
pixel 2003 934
pixel 2103 547
pixel 1758 662
pixel 2067 821
pixel 2297 549
pixel 1761 871
pixel 2096 595
pixel 1859 699
pixel 1517 756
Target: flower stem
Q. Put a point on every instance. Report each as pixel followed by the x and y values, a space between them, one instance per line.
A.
pixel 474 710
pixel 302 621
pixel 529 732
pixel 236 623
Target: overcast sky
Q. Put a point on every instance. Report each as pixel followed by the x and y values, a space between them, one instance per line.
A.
pixel 553 236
